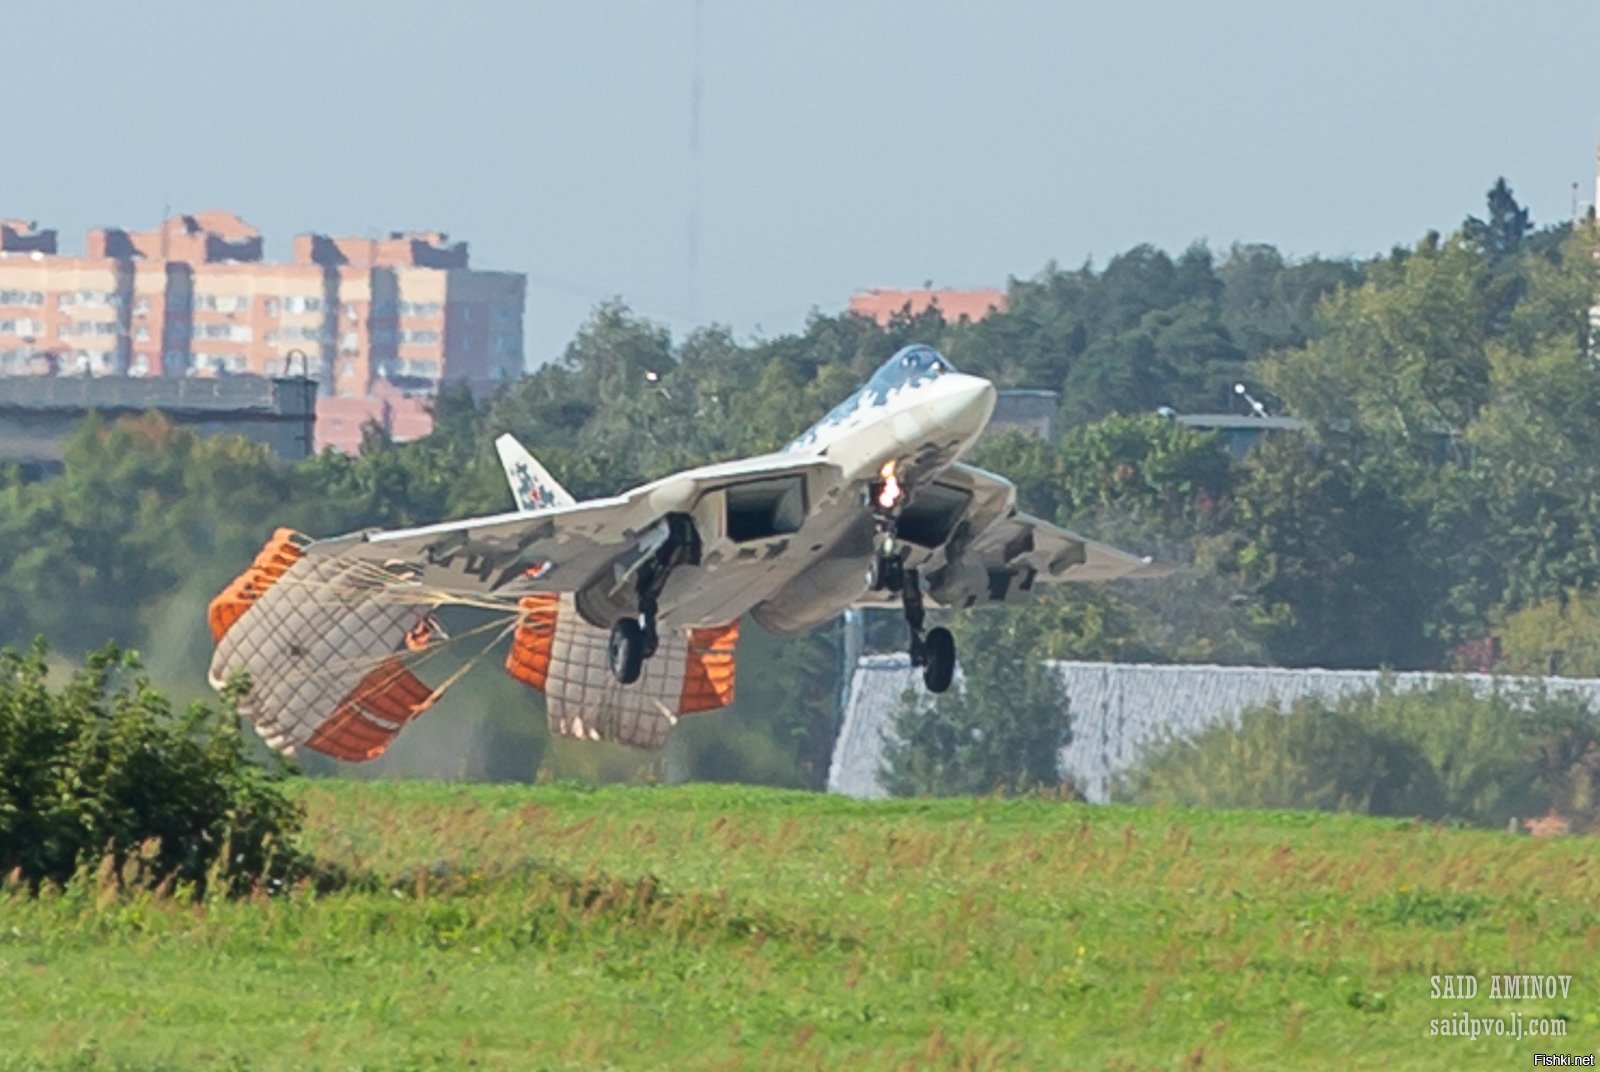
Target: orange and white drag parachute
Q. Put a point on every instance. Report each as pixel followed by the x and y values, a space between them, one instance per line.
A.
pixel 327 643
pixel 555 651
pixel 334 646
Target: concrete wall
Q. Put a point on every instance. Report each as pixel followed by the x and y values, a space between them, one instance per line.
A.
pixel 38 413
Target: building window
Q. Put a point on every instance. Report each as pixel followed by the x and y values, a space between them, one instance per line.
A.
pixel 422 368
pixel 272 306
pixel 141 333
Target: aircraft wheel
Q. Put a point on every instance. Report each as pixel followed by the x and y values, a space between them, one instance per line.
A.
pixel 626 650
pixel 939 650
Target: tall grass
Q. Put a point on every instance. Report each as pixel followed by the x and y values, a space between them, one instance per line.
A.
pixel 707 927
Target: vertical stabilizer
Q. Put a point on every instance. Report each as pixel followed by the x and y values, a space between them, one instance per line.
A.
pixel 531 485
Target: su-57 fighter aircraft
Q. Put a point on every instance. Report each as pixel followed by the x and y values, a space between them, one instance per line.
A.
pixel 624 610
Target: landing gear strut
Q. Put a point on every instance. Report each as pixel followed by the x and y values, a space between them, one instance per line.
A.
pixel 888 562
pixel 934 651
pixel 633 640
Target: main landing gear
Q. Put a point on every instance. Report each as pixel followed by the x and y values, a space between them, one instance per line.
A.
pixel 934 652
pixel 633 640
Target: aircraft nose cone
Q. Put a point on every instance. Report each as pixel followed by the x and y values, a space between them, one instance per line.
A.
pixel 971 401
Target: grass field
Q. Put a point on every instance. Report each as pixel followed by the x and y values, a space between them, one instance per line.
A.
pixel 731 928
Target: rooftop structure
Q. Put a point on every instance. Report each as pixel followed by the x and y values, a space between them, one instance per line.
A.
pixel 883 305
pixel 38 413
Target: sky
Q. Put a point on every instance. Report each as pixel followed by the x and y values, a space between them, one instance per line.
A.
pixel 841 145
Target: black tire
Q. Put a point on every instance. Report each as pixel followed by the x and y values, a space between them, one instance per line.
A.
pixel 939 648
pixel 626 650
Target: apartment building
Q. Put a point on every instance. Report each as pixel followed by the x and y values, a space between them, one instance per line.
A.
pixel 195 298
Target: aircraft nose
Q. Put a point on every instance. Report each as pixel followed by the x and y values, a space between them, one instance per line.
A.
pixel 970 401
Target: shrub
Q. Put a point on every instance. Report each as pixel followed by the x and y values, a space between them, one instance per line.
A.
pixel 1439 753
pixel 1313 756
pixel 104 767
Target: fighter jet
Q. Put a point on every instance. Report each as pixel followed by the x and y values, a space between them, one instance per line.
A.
pixel 870 506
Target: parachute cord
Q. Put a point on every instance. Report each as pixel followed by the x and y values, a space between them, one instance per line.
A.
pixel 510 621
pixel 470 663
pixel 369 581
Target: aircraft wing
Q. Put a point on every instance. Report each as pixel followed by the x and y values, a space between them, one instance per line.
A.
pixel 999 554
pixel 563 548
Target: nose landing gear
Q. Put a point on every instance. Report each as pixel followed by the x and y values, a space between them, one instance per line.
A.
pixel 934 651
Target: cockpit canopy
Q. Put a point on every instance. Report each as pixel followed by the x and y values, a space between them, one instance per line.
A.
pixel 912 365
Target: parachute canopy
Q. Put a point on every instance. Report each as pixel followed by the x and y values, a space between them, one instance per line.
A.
pixel 326 643
pixel 334 648
pixel 555 651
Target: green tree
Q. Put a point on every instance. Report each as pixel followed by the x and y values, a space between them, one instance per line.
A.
pixel 1400 363
pixel 1001 730
pixel 1507 228
pixel 1327 558
pixel 1559 635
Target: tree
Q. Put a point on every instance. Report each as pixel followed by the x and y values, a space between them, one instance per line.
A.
pixel 1001 730
pixel 1508 226
pixel 1400 364
pixel 1327 558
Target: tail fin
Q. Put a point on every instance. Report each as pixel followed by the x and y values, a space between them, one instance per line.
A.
pixel 531 485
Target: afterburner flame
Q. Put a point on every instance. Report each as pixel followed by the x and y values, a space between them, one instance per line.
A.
pixel 891 486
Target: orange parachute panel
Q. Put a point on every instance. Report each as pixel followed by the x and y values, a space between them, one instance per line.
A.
pixel 708 677
pixel 377 709
pixel 282 551
pixel 529 658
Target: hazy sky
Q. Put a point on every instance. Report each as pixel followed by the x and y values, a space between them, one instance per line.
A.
pixel 843 144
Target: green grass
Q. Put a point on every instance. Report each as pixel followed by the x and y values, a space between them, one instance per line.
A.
pixel 730 928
